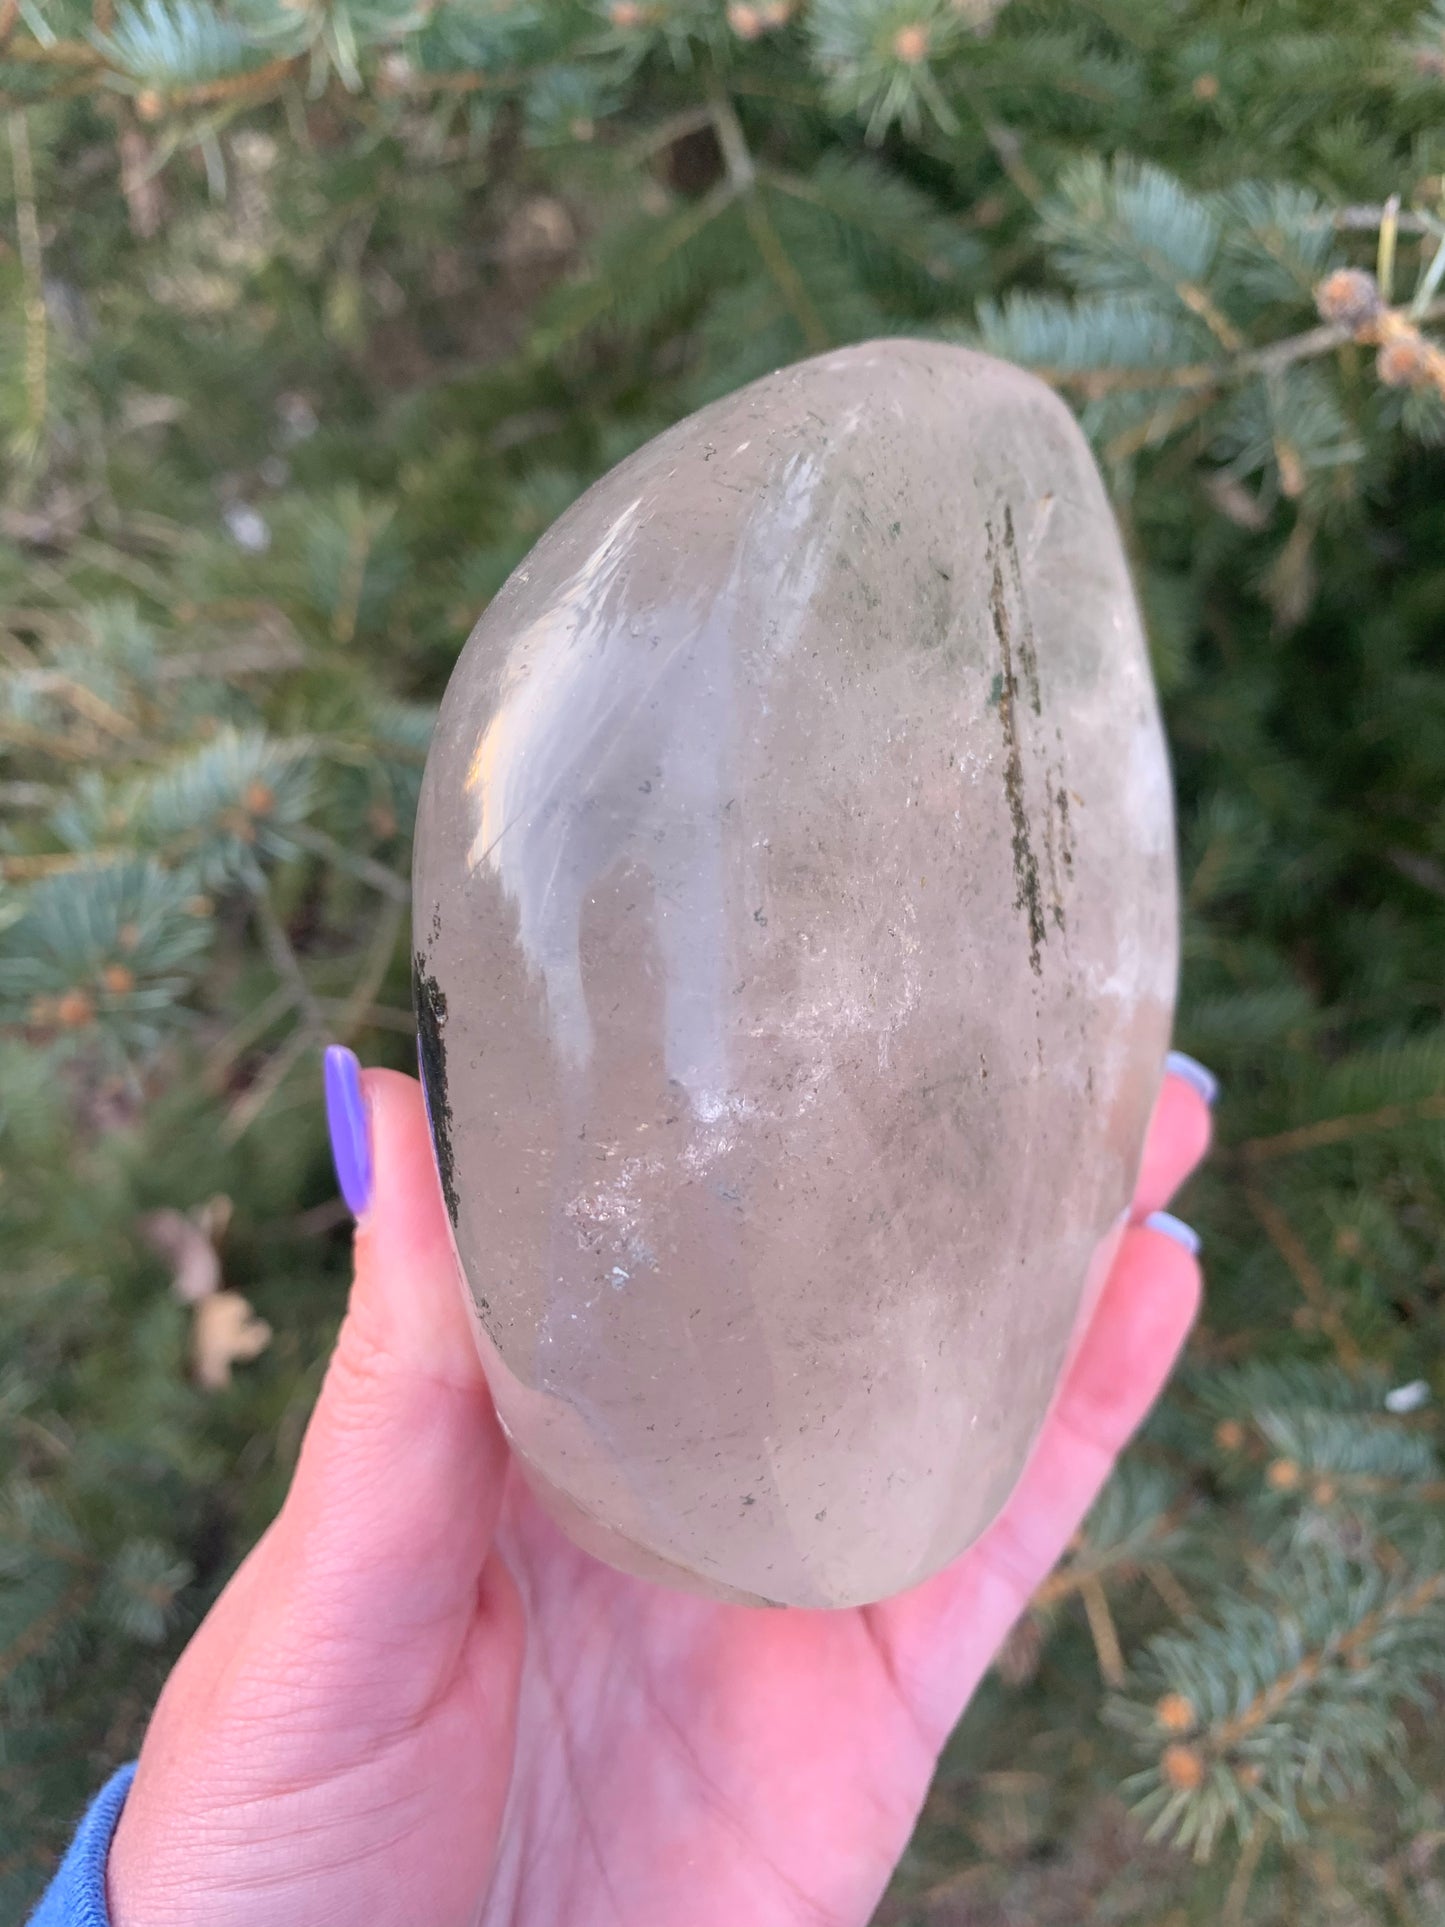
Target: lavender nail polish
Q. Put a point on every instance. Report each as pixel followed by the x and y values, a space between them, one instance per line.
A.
pixel 1194 1075
pixel 1175 1228
pixel 350 1127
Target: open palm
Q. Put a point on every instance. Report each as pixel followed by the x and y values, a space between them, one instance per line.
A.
pixel 418 1704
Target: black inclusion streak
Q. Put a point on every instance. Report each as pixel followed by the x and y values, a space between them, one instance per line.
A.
pixel 1028 646
pixel 430 1003
pixel 1026 868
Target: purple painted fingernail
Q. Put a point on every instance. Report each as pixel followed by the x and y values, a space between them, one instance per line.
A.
pixel 1194 1075
pixel 1175 1228
pixel 350 1127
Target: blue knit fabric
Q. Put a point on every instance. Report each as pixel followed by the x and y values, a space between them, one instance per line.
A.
pixel 76 1896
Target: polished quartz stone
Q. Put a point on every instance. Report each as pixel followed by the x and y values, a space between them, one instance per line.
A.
pixel 795 954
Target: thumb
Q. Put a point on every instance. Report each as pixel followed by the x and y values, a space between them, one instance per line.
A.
pixel 394 1503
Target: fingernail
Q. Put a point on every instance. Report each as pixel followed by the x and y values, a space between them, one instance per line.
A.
pixel 350 1128
pixel 1175 1228
pixel 1194 1075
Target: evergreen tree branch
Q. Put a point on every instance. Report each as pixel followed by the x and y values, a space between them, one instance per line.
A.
pixel 1291 1247
pixel 387 882
pixel 32 266
pixel 1103 1632
pixel 284 960
pixel 601 294
pixel 1095 383
pixel 243 1034
pixel 1335 1130
pixel 1006 144
pixel 1410 1604
pixel 743 175
pixel 797 188
pixel 1242 1880
pixel 253 1101
pixel 382 949
pixel 54 53
pixel 37 1636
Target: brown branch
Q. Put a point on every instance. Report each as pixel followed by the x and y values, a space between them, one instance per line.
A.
pixel 1369 1485
pixel 743 174
pixel 1103 1631
pixel 1290 1246
pixel 284 960
pixel 1131 440
pixel 1336 1130
pixel 256 80
pixel 1364 220
pixel 1094 383
pixel 460 81
pixel 20 869
pixel 1268 1702
pixel 55 53
pixel 38 1632
pixel 677 235
pixel 85 702
pixel 380 951
pixel 223 1053
pixel 32 266
pixel 1008 149
pixel 1243 1878
pixel 1171 1592
pixel 393 1017
pixel 80 749
pixel 789 282
pixel 351 583
pixel 387 882
pixel 253 1101
pixel 240 659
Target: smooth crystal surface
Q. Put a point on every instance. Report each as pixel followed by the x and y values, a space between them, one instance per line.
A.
pixel 796 946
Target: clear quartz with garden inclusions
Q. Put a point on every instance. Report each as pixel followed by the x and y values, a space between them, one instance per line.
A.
pixel 796 941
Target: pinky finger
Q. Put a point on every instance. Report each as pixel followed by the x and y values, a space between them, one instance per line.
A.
pixel 944 1634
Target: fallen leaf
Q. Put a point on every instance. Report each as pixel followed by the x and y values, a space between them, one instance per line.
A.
pixel 225 1332
pixel 189 1240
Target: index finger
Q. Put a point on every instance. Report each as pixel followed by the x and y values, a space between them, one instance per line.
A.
pixel 1179 1134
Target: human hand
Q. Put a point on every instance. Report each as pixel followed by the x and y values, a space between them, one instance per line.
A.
pixel 413 1648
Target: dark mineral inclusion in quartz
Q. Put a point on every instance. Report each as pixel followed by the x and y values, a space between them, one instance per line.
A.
pixel 796 947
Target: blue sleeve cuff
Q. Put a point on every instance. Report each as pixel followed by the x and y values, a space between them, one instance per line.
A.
pixel 76 1896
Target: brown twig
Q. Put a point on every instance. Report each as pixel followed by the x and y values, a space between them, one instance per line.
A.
pixel 1267 1703
pixel 387 882
pixel 1103 1631
pixel 253 1101
pixel 377 962
pixel 55 53
pixel 1290 1246
pixel 32 267
pixel 1336 1130
pixel 1094 383
pixel 39 1631
pixel 1171 1592
pixel 241 1036
pixel 1242 1879
pixel 284 960
pixel 743 174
